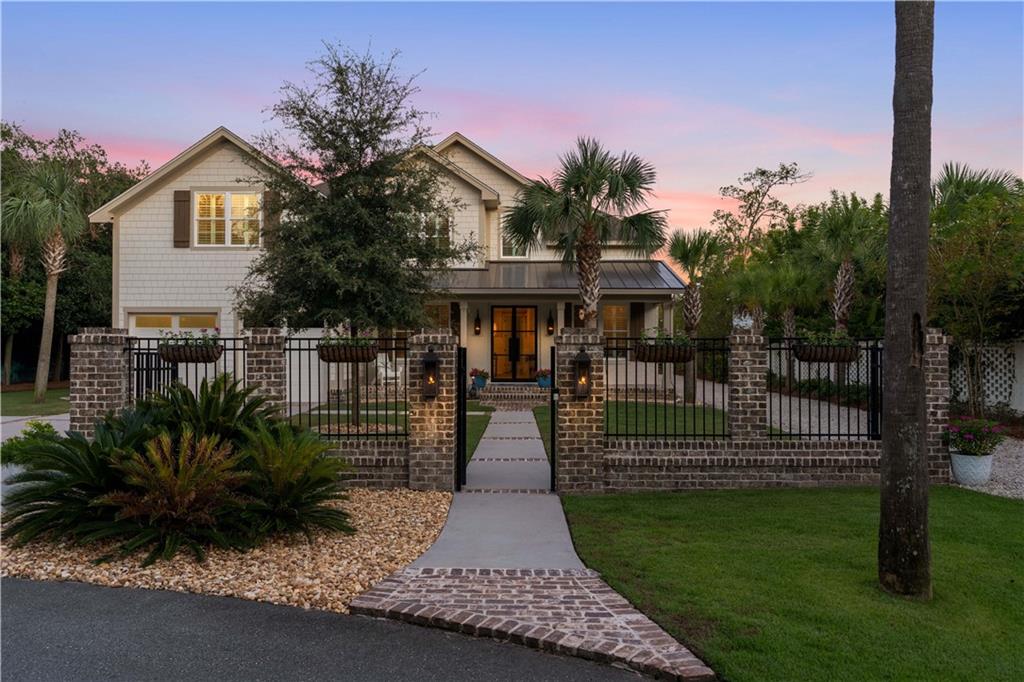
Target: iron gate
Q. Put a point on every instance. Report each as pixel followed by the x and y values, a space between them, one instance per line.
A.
pixel 460 418
pixel 553 425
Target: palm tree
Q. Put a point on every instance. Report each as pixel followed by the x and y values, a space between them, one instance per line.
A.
pixel 904 553
pixel 750 292
pixel 791 289
pixel 43 206
pixel 845 237
pixel 958 182
pixel 593 200
pixel 695 253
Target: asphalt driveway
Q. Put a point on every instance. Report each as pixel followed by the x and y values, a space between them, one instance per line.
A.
pixel 72 631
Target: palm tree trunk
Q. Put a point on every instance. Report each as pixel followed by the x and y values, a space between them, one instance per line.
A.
pixel 588 269
pixel 8 358
pixel 46 342
pixel 904 552
pixel 789 331
pixel 842 295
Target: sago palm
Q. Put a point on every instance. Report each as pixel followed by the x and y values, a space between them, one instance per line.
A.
pixel 695 253
pixel 593 200
pixel 43 207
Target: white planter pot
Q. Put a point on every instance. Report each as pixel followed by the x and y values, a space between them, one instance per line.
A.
pixel 970 469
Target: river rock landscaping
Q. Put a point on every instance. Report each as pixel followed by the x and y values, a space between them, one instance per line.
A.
pixel 326 571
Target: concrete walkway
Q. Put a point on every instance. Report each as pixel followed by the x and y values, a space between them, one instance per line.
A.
pixel 504 567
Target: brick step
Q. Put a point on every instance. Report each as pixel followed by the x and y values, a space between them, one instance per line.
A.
pixel 513 396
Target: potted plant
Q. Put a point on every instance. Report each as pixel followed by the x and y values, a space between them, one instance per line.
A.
pixel 200 347
pixel 833 346
pixel 971 442
pixel 360 347
pixel 664 347
pixel 544 378
pixel 480 377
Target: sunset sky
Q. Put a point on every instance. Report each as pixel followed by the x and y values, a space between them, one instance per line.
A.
pixel 704 91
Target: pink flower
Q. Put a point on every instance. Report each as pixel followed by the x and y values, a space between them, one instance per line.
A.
pixel 954 429
pixel 968 436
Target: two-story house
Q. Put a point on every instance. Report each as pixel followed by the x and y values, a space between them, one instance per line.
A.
pixel 185 235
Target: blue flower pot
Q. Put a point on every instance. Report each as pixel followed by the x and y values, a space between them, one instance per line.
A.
pixel 544 382
pixel 479 382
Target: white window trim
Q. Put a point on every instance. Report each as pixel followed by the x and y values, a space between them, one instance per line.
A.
pixel 501 247
pixel 438 220
pixel 227 219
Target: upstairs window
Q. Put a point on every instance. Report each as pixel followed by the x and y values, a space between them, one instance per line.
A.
pixel 438 229
pixel 509 249
pixel 227 219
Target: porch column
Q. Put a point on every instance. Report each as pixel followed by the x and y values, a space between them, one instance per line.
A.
pixel 432 420
pixel 559 317
pixel 580 425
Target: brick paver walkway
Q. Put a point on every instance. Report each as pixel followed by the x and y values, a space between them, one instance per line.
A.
pixel 504 567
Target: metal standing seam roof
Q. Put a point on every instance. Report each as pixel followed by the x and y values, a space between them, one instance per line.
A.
pixel 643 275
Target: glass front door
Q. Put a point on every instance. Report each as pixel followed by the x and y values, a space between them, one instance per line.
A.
pixel 513 343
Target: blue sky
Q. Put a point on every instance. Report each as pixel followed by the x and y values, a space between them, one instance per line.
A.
pixel 705 91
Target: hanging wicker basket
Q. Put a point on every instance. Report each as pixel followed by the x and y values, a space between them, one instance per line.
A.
pixel 663 352
pixel 340 352
pixel 834 354
pixel 177 353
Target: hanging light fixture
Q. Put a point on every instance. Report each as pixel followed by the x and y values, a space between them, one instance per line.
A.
pixel 551 323
pixel 476 323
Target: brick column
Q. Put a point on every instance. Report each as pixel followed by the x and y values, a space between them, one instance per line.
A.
pixel 748 386
pixel 99 375
pixel 432 420
pixel 936 377
pixel 580 456
pixel 265 365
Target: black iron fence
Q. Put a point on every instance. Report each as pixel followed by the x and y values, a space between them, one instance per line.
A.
pixel 339 395
pixel 656 393
pixel 824 392
pixel 153 365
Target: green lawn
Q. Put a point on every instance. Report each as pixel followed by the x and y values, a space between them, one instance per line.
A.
pixel 638 418
pixel 475 426
pixel 780 584
pixel 628 418
pixel 19 403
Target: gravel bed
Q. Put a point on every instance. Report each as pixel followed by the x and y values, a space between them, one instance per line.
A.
pixel 1007 471
pixel 393 527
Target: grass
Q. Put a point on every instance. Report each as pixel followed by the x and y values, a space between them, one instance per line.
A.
pixel 19 403
pixel 633 418
pixel 476 424
pixel 780 585
pixel 628 419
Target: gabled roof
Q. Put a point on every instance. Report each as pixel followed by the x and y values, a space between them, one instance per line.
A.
pixel 106 212
pixel 489 194
pixel 483 153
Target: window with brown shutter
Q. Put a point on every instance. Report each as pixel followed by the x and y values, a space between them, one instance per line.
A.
pixel 182 218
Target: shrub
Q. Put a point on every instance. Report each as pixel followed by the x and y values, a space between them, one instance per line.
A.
pixel 292 477
pixel 973 436
pixel 178 493
pixel 222 408
pixel 18 449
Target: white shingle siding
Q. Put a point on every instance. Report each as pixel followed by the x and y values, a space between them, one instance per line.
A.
pixel 154 274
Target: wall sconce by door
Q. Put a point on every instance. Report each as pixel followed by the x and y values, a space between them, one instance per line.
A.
pixel 430 377
pixel 581 372
pixel 551 323
pixel 476 324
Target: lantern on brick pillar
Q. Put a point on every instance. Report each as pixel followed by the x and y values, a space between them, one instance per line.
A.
pixel 430 374
pixel 581 373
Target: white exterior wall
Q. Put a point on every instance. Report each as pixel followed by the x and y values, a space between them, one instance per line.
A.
pixel 154 276
pixel 466 221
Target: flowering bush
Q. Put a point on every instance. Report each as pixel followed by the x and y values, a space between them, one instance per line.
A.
pixel 971 436
pixel 204 337
pixel 482 373
pixel 543 373
pixel 360 339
